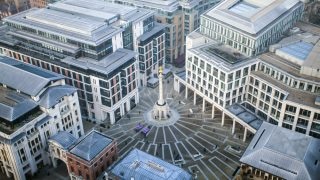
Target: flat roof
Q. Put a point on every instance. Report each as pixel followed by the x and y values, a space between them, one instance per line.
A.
pixel 299 50
pixel 294 95
pixel 285 65
pixel 140 165
pixel 251 16
pixel 313 58
pixel 224 56
pixel 181 74
pixel 284 153
pixel 153 80
pixel 24 77
pixel 91 145
pixel 157 28
pixel 245 115
pixel 308 27
pixel 245 9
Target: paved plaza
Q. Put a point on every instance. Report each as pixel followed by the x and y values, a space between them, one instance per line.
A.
pixel 195 141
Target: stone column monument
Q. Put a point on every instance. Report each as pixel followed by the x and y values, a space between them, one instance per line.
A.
pixel 161 110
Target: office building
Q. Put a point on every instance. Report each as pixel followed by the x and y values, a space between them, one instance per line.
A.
pixel 95 45
pixel 35 104
pixel 285 88
pixel 250 26
pixel 278 153
pixel 280 86
pixel 140 165
pixel 180 17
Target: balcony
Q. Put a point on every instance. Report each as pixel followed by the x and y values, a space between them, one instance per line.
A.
pixel 11 128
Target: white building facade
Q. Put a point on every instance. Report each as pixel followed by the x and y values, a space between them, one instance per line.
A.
pixel 41 109
pixel 279 87
pixel 250 27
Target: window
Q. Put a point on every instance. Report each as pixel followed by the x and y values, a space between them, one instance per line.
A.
pixel 291 109
pixel 304 112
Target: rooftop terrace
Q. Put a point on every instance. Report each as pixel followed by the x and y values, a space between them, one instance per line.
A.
pixel 225 54
pixel 16 110
pixel 221 55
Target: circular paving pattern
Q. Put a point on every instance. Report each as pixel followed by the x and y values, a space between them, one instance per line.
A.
pixel 191 140
pixel 148 119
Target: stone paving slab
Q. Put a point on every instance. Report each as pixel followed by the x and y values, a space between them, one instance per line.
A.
pixel 183 140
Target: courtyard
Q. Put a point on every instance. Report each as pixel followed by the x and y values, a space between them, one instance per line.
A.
pixel 195 142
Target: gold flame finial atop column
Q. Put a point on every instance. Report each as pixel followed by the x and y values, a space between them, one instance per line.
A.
pixel 160 69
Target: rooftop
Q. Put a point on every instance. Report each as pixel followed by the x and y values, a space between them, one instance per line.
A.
pixel 299 50
pixel 13 105
pixel 302 48
pixel 76 27
pixel 64 139
pixel 181 74
pixel 285 65
pixel 52 95
pixel 104 11
pixel 140 165
pixel 105 65
pixel 251 16
pixel 89 146
pixel 284 153
pixel 308 27
pixel 294 95
pixel 313 58
pixel 16 110
pixel 222 55
pixel 156 29
pixel 66 21
pixel 18 75
pixel 164 5
pixel 245 115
